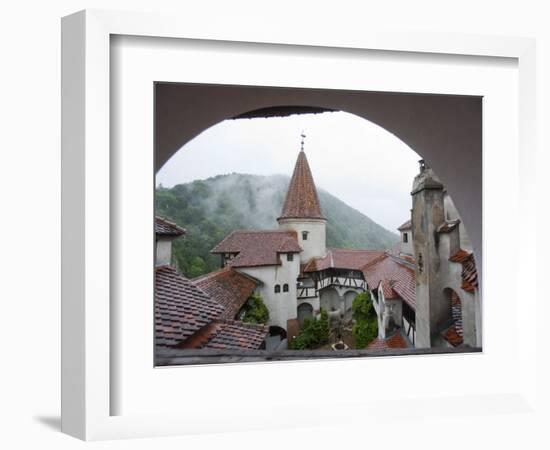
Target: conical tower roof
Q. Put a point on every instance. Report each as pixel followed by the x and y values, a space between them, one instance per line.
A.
pixel 301 200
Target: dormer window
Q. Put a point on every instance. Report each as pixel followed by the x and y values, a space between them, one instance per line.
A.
pixel 405 237
pixel 290 256
pixel 304 235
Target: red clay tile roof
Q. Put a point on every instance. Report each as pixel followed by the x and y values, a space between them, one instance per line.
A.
pixel 336 258
pixel 452 336
pixel 395 341
pixel 301 198
pixel 469 271
pixel 229 288
pixel 396 271
pixel 258 248
pixel 406 226
pixel 181 308
pixel 238 335
pixel 387 289
pixel 448 226
pixel 164 227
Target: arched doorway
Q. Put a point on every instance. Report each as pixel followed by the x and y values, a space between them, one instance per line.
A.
pixel 349 296
pixel 330 300
pixel 276 338
pixel 305 311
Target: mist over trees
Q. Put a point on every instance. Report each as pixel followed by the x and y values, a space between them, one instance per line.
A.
pixel 210 209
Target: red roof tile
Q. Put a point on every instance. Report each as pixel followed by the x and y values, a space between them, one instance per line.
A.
pixel 448 226
pixel 181 308
pixel 258 248
pixel 229 288
pixel 351 259
pixel 164 227
pixel 469 271
pixel 387 289
pixel 395 341
pixel 238 335
pixel 301 198
pixel 452 336
pixel 398 272
pixel 406 226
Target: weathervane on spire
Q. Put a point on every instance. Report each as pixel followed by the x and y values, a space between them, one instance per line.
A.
pixel 303 137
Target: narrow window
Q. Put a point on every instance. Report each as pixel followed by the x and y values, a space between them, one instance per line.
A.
pixel 277 288
pixel 290 256
pixel 405 237
pixel 285 287
pixel 304 235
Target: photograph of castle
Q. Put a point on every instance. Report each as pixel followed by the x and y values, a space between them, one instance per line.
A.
pixel 250 266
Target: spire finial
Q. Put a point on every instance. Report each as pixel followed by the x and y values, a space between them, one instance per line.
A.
pixel 303 137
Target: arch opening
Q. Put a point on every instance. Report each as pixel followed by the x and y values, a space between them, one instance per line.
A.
pixel 446 131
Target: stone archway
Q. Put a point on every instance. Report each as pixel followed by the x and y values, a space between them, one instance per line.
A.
pixel 277 335
pixel 349 296
pixel 446 131
pixel 329 300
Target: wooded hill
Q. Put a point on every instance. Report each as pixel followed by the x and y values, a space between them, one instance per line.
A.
pixel 210 209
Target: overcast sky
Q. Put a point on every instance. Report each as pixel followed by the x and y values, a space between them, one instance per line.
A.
pixel 357 161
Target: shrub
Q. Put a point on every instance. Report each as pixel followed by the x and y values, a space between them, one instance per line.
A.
pixel 315 332
pixel 365 332
pixel 255 310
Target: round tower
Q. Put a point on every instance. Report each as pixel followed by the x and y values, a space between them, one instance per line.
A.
pixel 302 211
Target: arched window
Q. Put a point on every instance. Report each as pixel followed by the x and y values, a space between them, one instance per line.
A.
pixel 285 287
pixel 277 288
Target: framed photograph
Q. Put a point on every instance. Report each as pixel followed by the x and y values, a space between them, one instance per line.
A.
pixel 255 262
pixel 292 218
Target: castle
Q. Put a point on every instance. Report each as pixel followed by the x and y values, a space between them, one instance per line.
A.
pixel 424 291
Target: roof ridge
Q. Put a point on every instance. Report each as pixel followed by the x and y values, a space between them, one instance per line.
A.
pixel 206 276
pixel 375 261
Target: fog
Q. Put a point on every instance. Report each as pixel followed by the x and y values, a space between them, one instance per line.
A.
pixel 355 160
pixel 264 198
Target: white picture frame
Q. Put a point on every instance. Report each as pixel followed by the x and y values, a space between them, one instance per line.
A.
pixel 87 355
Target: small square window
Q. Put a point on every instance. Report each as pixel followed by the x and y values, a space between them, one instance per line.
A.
pixel 304 235
pixel 290 256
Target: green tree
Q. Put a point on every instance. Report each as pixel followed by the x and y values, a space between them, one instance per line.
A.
pixel 197 267
pixel 362 306
pixel 365 328
pixel 255 310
